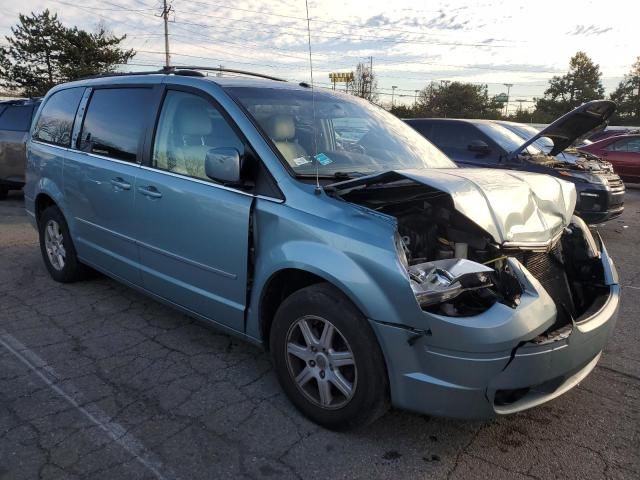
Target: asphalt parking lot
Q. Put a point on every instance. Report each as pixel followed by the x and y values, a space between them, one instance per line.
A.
pixel 100 382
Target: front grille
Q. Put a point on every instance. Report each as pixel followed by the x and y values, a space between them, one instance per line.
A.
pixel 549 270
pixel 615 182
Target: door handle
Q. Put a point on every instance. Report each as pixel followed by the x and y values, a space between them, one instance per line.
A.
pixel 150 191
pixel 120 183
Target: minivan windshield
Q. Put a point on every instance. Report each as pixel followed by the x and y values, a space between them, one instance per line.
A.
pixel 338 134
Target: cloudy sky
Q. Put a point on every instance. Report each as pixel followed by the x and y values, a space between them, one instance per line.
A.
pixel 412 43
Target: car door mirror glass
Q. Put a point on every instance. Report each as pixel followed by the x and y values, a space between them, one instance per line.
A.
pixel 478 146
pixel 223 165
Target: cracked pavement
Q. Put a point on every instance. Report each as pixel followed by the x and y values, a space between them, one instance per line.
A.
pixel 98 381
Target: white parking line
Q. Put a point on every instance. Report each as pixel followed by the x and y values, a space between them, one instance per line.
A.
pixel 94 414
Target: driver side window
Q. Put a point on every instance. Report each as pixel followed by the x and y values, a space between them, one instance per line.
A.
pixel 188 128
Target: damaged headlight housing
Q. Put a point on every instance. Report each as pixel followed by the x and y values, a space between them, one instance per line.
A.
pixel 400 251
pixel 442 280
pixel 439 281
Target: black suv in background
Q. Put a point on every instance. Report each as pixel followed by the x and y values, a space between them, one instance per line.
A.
pixel 15 122
pixel 486 143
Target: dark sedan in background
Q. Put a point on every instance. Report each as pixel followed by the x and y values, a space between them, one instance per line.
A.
pixel 622 151
pixel 486 143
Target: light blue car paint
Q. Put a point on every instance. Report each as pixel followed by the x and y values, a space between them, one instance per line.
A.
pixel 194 254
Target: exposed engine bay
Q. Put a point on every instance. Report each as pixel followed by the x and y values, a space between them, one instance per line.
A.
pixel 457 269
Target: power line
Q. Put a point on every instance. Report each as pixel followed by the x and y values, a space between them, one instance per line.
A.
pixel 326 22
pixel 341 35
pixel 330 65
pixel 333 65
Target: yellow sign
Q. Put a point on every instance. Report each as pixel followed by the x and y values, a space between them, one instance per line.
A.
pixel 341 77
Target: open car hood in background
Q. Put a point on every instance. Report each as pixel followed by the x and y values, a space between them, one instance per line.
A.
pixel 572 126
pixel 513 207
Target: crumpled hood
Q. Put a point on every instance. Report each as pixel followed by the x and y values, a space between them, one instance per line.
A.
pixel 513 207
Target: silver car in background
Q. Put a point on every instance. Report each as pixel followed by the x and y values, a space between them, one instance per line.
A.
pixel 15 121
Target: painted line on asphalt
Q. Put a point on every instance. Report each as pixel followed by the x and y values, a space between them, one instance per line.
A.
pixel 94 414
pixel 630 286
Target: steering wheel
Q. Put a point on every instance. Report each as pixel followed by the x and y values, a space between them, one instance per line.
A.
pixel 355 148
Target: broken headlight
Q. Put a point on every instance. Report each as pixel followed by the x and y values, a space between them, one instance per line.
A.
pixel 400 251
pixel 441 280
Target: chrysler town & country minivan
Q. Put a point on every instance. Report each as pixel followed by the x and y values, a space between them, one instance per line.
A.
pixel 331 233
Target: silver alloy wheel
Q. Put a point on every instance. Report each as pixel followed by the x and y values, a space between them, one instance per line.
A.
pixel 321 362
pixel 53 243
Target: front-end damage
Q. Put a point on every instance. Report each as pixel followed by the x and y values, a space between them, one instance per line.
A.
pixel 503 273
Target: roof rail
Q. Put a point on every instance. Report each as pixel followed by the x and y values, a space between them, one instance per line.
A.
pixel 182 68
pixel 122 74
pixel 193 71
pixel 20 101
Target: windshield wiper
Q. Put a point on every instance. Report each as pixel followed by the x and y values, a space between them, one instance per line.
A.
pixel 349 175
pixel 336 175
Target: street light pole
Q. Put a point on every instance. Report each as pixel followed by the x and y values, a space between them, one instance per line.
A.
pixel 393 95
pixel 508 85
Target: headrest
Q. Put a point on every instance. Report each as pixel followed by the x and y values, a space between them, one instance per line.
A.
pixel 281 128
pixel 192 118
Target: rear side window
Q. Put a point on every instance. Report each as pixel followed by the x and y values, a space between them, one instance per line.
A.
pixel 423 128
pixel 115 122
pixel 625 145
pixel 454 136
pixel 16 118
pixel 55 123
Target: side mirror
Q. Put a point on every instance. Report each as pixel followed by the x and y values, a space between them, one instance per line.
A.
pixel 478 146
pixel 223 164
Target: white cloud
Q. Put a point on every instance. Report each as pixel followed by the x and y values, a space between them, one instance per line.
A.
pixel 518 42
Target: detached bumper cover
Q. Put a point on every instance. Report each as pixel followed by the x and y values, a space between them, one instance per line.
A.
pixel 448 382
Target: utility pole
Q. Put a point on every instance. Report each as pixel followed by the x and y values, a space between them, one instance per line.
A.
pixel 506 108
pixel 393 94
pixel 166 10
pixel 370 78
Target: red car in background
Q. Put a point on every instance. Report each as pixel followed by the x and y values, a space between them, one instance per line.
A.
pixel 623 151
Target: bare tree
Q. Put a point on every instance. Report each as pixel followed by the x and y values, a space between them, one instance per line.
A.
pixel 365 83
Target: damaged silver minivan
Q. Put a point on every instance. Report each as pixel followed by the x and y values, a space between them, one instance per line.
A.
pixel 330 232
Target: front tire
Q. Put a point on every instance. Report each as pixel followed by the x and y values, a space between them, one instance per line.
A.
pixel 58 251
pixel 328 360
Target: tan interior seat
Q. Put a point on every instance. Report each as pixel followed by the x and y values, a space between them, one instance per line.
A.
pixel 282 131
pixel 192 125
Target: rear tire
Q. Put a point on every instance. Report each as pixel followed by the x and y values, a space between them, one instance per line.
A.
pixel 58 251
pixel 328 360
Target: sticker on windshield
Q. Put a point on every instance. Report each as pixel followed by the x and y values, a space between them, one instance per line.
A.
pixel 301 161
pixel 323 159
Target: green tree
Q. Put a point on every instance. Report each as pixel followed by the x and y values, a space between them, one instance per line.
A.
pixel 41 52
pixel 580 84
pixel 627 96
pixel 456 99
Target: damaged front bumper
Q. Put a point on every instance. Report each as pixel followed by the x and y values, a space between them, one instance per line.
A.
pixel 492 365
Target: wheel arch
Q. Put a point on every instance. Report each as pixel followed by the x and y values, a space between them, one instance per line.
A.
pixel 42 202
pixel 279 286
pixel 48 194
pixel 366 295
